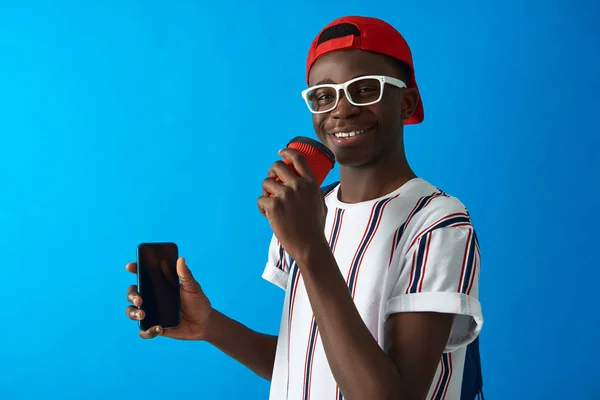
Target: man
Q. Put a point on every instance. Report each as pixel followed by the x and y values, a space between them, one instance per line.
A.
pixel 381 270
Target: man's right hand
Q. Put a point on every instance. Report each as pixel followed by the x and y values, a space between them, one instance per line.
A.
pixel 196 309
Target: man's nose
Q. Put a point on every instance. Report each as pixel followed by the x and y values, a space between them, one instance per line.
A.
pixel 344 108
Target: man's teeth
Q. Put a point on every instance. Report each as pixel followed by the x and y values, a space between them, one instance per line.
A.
pixel 348 134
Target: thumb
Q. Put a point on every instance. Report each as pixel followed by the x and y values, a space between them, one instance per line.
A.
pixel 185 276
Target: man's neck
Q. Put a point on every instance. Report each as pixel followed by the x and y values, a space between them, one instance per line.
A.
pixel 372 182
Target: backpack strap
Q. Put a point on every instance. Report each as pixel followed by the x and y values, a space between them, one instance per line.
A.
pixel 472 383
pixel 328 188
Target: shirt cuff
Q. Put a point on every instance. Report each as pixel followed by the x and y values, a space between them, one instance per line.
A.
pixel 468 319
pixel 275 275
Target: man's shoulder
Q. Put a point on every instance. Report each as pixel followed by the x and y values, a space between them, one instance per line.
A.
pixel 433 205
pixel 428 202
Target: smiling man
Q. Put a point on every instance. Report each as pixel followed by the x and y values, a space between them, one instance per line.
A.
pixel 380 270
pixel 382 293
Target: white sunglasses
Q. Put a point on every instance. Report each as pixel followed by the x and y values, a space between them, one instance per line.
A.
pixel 361 91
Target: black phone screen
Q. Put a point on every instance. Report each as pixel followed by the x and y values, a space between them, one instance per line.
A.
pixel 158 284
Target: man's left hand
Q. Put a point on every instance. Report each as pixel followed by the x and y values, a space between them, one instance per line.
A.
pixel 296 210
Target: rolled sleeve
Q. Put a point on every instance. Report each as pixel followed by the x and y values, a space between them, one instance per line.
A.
pixel 440 273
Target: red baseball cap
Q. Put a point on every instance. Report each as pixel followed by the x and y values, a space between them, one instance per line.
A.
pixel 375 36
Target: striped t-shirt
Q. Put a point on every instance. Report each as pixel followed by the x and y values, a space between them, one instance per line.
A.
pixel 412 250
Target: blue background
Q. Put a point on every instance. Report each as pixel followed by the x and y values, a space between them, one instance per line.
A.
pixel 131 121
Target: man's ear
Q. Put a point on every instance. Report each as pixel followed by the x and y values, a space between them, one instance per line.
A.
pixel 410 100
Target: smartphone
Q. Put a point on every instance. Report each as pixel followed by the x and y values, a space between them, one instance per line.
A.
pixel 158 284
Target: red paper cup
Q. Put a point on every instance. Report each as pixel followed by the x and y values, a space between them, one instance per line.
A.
pixel 318 157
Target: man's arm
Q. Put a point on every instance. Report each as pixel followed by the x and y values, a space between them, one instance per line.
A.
pixel 414 343
pixel 253 349
pixel 199 321
pixel 360 367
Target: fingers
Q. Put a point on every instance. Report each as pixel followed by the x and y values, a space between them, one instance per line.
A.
pixel 131 267
pixel 271 186
pixel 283 171
pixel 133 296
pixel 261 205
pixel 188 283
pixel 151 333
pixel 138 315
pixel 273 175
pixel 298 162
pixel 135 313
pixel 264 204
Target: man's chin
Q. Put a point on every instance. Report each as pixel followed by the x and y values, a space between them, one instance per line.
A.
pixel 353 159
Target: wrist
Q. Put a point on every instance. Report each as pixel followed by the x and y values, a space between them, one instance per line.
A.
pixel 211 327
pixel 314 253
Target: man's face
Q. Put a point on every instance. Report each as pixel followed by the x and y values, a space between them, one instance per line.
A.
pixel 380 123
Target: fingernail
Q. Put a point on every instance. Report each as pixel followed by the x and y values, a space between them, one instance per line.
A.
pixel 135 300
pixel 157 329
pixel 138 314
